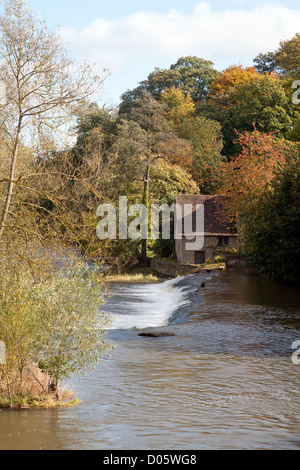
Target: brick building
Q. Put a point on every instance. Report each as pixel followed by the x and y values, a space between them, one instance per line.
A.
pixel 218 231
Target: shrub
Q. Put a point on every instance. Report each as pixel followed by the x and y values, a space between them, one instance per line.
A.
pixel 54 323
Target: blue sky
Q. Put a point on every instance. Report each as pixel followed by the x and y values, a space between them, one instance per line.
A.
pixel 132 38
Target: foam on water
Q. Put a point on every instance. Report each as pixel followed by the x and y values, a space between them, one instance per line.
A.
pixel 147 305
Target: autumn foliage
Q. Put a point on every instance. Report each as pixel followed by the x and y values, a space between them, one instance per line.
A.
pixel 247 176
pixel 177 152
pixel 179 106
pixel 231 77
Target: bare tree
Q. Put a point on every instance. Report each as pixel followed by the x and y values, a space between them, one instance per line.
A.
pixel 42 86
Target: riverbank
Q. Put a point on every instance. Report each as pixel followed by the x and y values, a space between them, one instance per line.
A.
pixel 35 391
pixel 146 277
pixel 171 268
pixel 46 402
pixel 159 271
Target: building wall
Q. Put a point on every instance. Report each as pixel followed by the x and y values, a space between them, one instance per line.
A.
pixel 210 245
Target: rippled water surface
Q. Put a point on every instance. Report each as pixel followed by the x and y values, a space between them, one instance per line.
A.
pixel 226 380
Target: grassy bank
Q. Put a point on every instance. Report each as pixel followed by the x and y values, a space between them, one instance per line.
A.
pixel 143 275
pixel 132 278
pixel 47 401
pixel 147 275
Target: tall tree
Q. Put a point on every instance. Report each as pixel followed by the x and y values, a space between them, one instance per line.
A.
pixel 284 61
pixel 205 138
pixel 287 57
pixel 40 88
pixel 245 178
pixel 145 138
pixel 179 106
pixel 272 228
pixel 148 113
pixel 196 75
pixel 95 130
pixel 262 100
pixel 191 74
pixel 230 78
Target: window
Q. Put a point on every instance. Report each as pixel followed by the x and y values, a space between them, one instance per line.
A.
pixel 199 257
pixel 223 241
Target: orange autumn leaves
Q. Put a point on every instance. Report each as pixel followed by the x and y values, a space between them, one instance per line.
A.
pixel 244 179
pixel 230 78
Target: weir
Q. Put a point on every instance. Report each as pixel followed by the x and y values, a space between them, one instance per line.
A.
pixel 150 305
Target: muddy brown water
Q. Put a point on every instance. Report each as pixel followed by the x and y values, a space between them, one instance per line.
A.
pixel 226 380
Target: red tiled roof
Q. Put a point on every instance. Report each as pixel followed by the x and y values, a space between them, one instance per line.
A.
pixel 216 219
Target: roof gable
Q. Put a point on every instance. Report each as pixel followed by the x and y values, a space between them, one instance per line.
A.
pixel 216 218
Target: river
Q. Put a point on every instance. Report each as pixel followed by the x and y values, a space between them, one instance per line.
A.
pixel 225 380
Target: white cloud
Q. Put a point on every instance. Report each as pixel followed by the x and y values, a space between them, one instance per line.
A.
pixel 128 45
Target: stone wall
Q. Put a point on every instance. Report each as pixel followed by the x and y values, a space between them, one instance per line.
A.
pixel 236 261
pixel 171 268
pixel 210 244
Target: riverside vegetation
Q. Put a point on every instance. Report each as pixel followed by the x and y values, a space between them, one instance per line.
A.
pixel 187 129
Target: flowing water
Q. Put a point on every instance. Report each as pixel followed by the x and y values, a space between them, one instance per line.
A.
pixel 225 380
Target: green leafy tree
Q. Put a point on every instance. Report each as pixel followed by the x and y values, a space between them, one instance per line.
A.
pixel 54 321
pixel 95 131
pixel 73 329
pixel 206 140
pixel 179 106
pixel 168 181
pixel 196 75
pixel 284 61
pixel 262 102
pixel 145 129
pixel 272 228
pixel 191 74
pixel 266 63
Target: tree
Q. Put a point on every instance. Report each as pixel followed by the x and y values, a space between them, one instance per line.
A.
pixel 179 106
pixel 95 130
pixel 130 160
pixel 284 61
pixel 205 138
pixel 73 327
pixel 247 176
pixel 262 101
pixel 230 78
pixel 144 139
pixel 191 74
pixel 41 90
pixel 272 228
pixel 287 57
pixel 266 63
pixel 176 151
pixel 170 180
pixel 196 75
pixel 53 321
pixel 148 114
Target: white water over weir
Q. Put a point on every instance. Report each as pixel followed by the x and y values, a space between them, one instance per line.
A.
pixel 147 305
